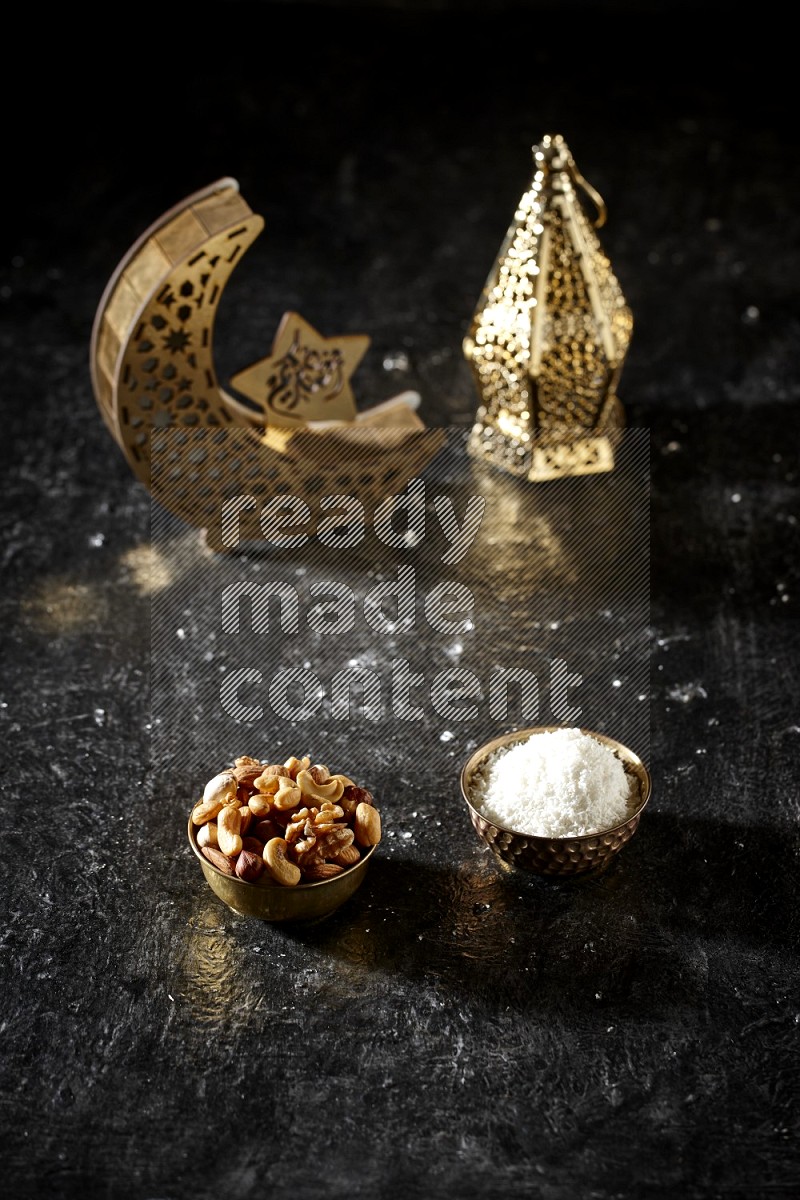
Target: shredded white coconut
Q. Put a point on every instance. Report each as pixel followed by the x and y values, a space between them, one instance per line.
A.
pixel 558 784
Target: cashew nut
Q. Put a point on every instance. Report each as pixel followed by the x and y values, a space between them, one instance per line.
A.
pixel 207 835
pixel 221 788
pixel 308 785
pixel 229 824
pixel 345 781
pixel 269 779
pixel 293 765
pixel 367 825
pixel 281 869
pixel 260 804
pixel 205 810
pixel 287 796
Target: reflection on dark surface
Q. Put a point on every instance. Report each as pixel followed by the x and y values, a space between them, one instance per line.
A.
pixel 214 984
pixel 479 933
pixel 481 936
pixel 557 581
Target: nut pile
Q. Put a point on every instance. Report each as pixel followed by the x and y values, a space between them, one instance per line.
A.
pixel 295 822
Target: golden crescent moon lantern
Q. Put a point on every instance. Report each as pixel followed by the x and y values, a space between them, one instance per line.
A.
pixel 549 335
pixel 155 382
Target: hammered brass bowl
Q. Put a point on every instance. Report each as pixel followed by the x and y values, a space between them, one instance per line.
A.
pixel 555 857
pixel 269 901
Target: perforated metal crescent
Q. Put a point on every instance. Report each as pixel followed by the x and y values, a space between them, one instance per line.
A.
pixel 153 374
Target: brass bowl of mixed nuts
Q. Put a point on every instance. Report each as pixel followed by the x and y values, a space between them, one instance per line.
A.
pixel 283 842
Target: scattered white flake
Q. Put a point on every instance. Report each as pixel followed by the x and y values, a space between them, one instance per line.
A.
pixel 563 783
pixel 99 716
pixel 684 692
pixel 616 683
pixel 397 361
pixel 671 448
pixel 180 633
pixel 97 539
pixel 664 643
pixel 751 314
pixel 446 735
pixel 736 497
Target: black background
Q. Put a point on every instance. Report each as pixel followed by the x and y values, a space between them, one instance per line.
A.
pixel 447 1035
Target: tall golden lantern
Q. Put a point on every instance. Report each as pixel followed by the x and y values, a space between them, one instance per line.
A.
pixel 549 335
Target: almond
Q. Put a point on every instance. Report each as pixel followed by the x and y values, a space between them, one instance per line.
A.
pixel 218 860
pixel 325 870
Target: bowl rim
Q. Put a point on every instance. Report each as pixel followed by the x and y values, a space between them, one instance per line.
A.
pixel 258 885
pixel 627 756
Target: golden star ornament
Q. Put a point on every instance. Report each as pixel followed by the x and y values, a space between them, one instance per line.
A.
pixel 306 378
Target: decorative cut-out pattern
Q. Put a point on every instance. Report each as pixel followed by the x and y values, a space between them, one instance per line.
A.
pixel 549 335
pixel 187 439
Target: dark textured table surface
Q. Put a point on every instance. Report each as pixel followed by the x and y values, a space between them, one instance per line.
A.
pixel 451 1031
